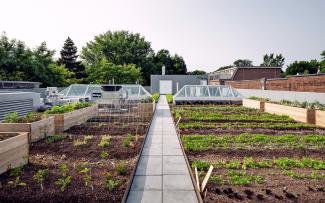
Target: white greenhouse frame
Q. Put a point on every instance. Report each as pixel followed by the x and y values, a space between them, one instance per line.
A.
pixel 82 91
pixel 218 93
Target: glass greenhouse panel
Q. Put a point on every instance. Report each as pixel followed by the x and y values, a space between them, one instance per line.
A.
pixel 207 93
pixel 82 90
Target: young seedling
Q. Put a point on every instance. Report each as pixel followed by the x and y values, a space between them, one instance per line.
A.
pixel 128 140
pixel 54 138
pixel 63 182
pixel 103 154
pixel 88 137
pixel 17 182
pixel 40 176
pixel 121 167
pixel 87 177
pixel 110 183
pixel 63 169
pixel 15 172
pixel 105 141
pixel 79 142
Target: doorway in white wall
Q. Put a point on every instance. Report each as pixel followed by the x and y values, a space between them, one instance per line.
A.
pixel 165 86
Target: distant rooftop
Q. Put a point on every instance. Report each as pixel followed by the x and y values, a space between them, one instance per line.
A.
pixel 229 73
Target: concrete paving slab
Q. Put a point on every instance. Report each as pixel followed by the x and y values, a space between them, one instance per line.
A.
pixel 172 152
pixel 149 165
pixel 145 197
pixel 145 183
pixel 177 182
pixel 153 149
pixel 179 197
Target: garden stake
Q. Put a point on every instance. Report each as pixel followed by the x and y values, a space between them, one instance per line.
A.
pixel 206 178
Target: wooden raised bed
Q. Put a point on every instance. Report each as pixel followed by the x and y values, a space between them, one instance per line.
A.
pixel 254 104
pixel 298 114
pixel 63 122
pixel 14 149
pixel 36 130
pixel 320 118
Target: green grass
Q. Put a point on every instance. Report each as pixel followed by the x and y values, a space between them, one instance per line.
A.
pixel 212 142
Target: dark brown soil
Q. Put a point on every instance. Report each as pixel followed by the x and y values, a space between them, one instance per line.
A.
pixel 277 187
pixel 44 155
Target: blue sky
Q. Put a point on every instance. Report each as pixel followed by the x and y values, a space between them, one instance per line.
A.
pixel 207 33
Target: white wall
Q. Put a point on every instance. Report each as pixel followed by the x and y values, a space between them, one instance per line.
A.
pixel 287 95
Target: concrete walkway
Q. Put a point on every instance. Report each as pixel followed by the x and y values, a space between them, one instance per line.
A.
pixel 162 174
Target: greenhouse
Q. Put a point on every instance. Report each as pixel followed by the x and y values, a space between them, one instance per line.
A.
pixel 132 92
pixel 218 94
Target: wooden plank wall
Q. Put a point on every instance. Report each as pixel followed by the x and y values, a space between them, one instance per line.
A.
pixel 14 152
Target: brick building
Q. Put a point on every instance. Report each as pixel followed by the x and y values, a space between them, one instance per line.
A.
pixel 219 77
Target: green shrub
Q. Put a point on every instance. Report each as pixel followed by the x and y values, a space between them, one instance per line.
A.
pixel 155 96
pixel 169 98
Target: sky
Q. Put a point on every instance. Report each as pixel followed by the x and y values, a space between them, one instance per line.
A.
pixel 206 33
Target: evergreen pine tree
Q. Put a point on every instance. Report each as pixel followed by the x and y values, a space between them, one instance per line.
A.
pixel 69 59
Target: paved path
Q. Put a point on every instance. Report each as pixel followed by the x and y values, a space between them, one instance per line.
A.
pixel 162 174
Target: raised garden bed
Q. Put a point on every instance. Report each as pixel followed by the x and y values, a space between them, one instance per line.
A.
pixel 84 165
pixel 320 118
pixel 64 121
pixel 13 150
pixel 254 161
pixel 255 104
pixel 37 129
pixel 298 114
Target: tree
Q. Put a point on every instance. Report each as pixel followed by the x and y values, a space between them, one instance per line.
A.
pixel 18 62
pixel 163 58
pixel 179 66
pixel 68 57
pixel 243 63
pixel 105 72
pixel 14 59
pixel 197 72
pixel 322 63
pixel 173 64
pixel 271 61
pixel 120 47
pixel 45 69
pixel 301 67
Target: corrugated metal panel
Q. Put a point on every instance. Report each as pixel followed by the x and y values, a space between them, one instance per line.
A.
pixel 22 107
